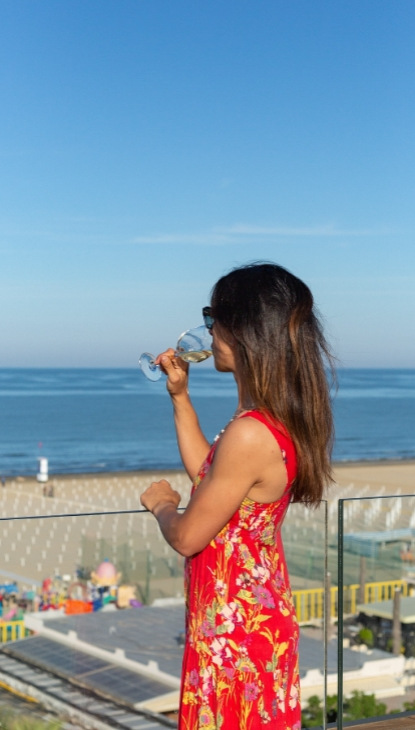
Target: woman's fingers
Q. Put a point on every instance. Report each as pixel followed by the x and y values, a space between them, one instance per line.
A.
pixel 169 353
pixel 175 369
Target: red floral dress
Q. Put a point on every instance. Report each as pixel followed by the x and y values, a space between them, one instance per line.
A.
pixel 240 664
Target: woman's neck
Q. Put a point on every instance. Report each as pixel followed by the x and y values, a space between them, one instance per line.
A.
pixel 244 400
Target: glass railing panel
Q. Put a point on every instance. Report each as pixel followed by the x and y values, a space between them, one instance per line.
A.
pixel 312 567
pixel 92 614
pixel 376 625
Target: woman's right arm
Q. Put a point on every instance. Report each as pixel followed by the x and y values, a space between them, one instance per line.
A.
pixel 193 445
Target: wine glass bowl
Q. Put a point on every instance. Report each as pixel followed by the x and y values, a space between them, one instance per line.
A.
pixel 194 345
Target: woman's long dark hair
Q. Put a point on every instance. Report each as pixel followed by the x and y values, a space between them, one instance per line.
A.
pixel 282 356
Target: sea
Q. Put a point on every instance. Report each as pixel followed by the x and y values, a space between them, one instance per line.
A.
pixel 114 420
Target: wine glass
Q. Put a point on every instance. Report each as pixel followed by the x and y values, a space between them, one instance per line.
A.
pixel 194 345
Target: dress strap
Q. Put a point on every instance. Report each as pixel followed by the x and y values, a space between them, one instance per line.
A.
pixel 283 439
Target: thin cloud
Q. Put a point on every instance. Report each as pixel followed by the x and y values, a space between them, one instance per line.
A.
pixel 243 232
pixel 242 229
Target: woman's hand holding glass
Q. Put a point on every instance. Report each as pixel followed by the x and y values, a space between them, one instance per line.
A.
pixel 176 369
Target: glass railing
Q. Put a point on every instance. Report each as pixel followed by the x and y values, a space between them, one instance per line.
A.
pixel 376 606
pixel 93 608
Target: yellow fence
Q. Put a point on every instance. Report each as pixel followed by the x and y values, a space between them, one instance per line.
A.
pixel 309 603
pixel 11 631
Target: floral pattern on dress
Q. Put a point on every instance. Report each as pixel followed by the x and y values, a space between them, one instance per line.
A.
pixel 240 665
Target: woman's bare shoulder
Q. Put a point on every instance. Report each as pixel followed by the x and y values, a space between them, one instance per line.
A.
pixel 249 432
pixel 249 453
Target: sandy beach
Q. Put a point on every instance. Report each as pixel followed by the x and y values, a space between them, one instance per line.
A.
pixel 367 480
pixel 392 475
pixel 121 490
pixel 389 474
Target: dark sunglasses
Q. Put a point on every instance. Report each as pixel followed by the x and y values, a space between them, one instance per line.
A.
pixel 207 318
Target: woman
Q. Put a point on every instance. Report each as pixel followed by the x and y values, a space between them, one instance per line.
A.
pixel 240 666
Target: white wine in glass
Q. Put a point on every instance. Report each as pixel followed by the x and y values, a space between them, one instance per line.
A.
pixel 194 345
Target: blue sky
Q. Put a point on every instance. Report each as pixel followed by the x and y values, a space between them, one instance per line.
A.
pixel 148 146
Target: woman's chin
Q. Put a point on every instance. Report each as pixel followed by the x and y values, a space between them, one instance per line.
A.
pixel 221 367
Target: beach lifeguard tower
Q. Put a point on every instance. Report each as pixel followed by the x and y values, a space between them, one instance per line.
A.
pixel 42 474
